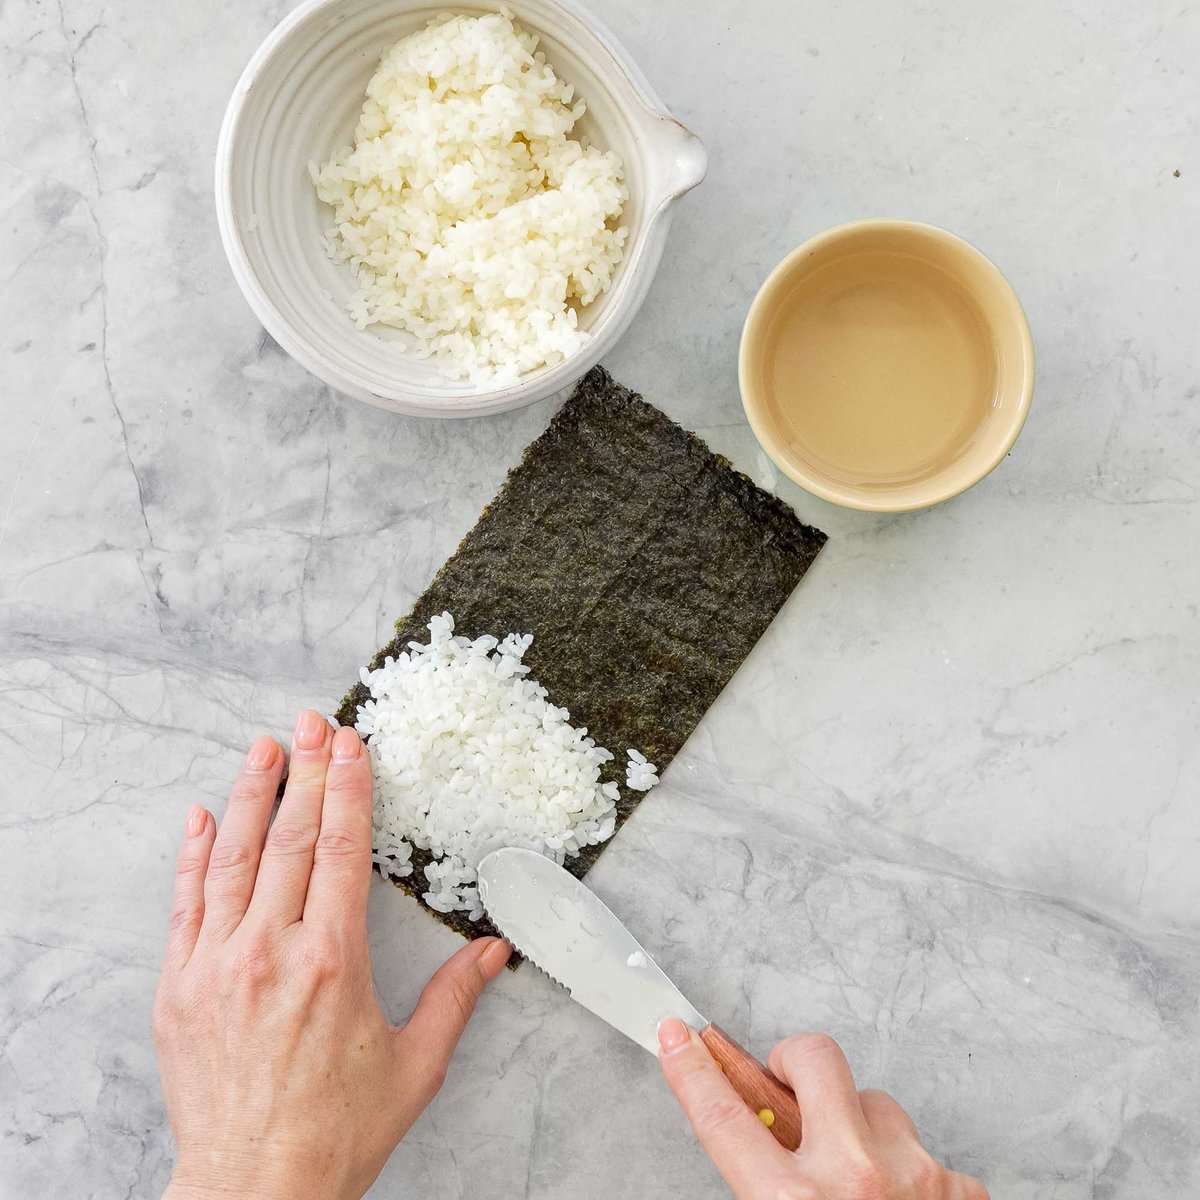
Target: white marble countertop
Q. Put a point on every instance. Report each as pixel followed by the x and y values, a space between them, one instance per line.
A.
pixel 948 811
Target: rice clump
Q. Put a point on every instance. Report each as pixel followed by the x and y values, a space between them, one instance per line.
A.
pixel 469 755
pixel 471 217
pixel 640 775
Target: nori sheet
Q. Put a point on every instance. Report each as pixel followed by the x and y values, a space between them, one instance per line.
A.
pixel 643 564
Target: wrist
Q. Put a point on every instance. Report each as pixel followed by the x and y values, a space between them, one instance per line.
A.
pixel 220 1179
pixel 188 1188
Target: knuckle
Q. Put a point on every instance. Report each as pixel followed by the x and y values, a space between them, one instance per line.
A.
pixel 247 791
pixel 321 956
pixel 811 1045
pixel 184 915
pixel 339 844
pixel 865 1179
pixel 228 859
pixel 253 963
pixel 349 784
pixel 292 837
pixel 462 997
pixel 924 1174
pixel 306 774
pixel 691 1068
pixel 973 1189
pixel 805 1052
pixel 716 1114
pixel 163 1018
pixel 188 863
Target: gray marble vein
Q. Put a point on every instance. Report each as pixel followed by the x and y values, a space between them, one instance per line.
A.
pixel 950 808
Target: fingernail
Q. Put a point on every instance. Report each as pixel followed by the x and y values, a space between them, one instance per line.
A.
pixel 494 957
pixel 673 1035
pixel 262 753
pixel 197 818
pixel 311 728
pixel 346 744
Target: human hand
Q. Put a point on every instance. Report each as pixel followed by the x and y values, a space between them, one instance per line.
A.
pixel 856 1145
pixel 281 1075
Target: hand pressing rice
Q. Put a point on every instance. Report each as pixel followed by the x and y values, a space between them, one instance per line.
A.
pixel 472 218
pixel 470 755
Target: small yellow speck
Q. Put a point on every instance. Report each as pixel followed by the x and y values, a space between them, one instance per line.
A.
pixel 766 1116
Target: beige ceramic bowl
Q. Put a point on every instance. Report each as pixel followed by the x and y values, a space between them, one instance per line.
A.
pixel 886 365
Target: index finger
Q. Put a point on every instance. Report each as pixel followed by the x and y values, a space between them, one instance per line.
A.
pixel 233 864
pixel 341 872
pixel 749 1158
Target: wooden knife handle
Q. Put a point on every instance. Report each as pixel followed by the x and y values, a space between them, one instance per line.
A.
pixel 774 1102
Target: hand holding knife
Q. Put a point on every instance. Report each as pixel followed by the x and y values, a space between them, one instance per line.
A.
pixel 561 926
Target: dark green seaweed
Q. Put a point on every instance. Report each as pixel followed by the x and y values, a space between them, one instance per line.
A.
pixel 643 564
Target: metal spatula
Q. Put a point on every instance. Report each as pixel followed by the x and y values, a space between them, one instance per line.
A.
pixel 572 935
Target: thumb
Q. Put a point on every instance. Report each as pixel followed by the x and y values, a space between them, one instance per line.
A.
pixel 448 1001
pixel 749 1158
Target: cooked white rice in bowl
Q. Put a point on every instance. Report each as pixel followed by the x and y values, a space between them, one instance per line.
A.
pixel 471 217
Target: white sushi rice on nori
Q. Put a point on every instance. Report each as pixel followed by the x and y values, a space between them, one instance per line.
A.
pixel 469 755
pixel 640 775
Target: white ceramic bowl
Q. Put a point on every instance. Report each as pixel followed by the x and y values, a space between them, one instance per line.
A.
pixel 298 101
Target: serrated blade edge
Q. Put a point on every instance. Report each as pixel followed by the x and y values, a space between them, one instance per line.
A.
pixel 572 936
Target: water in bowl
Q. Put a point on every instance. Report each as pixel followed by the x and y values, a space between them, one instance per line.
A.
pixel 882 368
